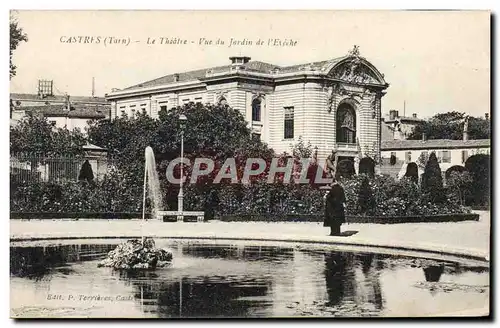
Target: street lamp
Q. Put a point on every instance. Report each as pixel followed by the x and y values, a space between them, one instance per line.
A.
pixel 180 198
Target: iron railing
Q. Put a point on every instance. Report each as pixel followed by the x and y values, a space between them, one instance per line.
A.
pixel 35 168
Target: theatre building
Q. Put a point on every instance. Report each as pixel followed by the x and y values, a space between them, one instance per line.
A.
pixel 334 104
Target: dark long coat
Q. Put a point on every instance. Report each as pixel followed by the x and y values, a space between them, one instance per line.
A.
pixel 334 207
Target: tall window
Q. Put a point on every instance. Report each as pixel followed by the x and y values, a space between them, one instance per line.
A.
pixel 465 156
pixel 446 156
pixel 346 124
pixel 256 109
pixel 408 156
pixel 289 122
pixel 163 106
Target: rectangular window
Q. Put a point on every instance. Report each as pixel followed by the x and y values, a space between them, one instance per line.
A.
pixel 289 122
pixel 256 136
pixel 198 99
pixel 446 156
pixel 163 106
pixel 408 156
pixel 122 110
pixel 465 156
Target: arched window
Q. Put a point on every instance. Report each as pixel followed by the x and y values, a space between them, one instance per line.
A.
pixel 346 124
pixel 222 101
pixel 256 109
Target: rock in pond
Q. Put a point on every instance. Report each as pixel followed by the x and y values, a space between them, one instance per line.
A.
pixel 133 254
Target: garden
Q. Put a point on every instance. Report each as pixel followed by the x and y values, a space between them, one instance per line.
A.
pixel 219 132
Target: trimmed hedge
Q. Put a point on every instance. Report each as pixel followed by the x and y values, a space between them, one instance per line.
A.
pixel 357 219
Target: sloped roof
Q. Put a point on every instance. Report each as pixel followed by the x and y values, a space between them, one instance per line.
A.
pixel 433 144
pixel 253 66
pixel 74 99
pixel 405 118
pixel 90 146
pixel 61 111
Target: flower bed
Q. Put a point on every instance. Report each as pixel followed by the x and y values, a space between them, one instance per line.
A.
pixel 357 219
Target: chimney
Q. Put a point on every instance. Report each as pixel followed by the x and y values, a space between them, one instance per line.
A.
pixel 486 116
pixel 239 60
pixel 414 115
pixel 466 129
pixel 397 113
pixel 176 77
pixel 68 103
pixel 424 136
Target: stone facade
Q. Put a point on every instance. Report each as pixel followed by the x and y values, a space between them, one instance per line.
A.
pixel 333 104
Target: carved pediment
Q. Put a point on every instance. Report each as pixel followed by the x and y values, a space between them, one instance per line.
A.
pixel 353 70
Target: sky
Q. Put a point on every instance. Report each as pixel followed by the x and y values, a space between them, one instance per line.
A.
pixel 434 61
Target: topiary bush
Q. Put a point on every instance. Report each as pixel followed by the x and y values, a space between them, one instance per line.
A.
pixel 479 168
pixel 345 169
pixel 432 180
pixel 367 166
pixel 412 172
pixel 454 168
pixel 392 160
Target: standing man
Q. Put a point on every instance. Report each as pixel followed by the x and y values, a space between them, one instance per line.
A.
pixel 334 208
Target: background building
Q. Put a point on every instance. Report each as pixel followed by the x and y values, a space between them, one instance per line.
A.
pixel 333 104
pixel 400 126
pixel 63 111
pixel 448 152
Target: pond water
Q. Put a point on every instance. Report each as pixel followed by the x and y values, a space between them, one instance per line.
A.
pixel 240 279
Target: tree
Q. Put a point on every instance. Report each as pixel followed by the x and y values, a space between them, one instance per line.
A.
pixel 450 126
pixel 16 36
pixel 479 168
pixel 458 183
pixel 432 181
pixel 33 135
pixel 216 132
pixel 301 149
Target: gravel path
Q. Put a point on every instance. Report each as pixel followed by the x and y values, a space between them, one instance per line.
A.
pixel 469 237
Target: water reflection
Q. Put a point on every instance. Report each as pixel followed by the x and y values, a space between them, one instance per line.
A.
pixel 200 296
pixel 37 262
pixel 247 253
pixel 336 274
pixel 237 280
